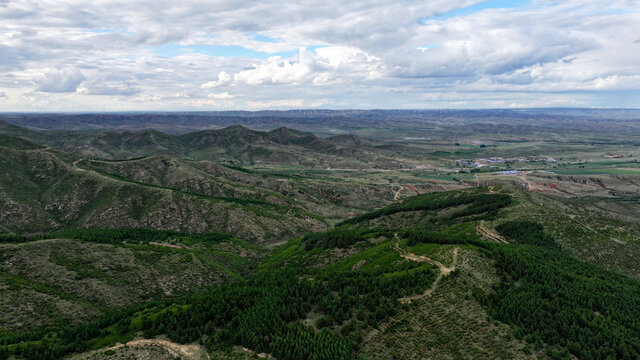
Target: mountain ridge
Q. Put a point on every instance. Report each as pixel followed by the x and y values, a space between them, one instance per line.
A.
pixel 234 144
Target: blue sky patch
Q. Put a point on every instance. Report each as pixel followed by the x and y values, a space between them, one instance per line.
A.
pixel 314 47
pixel 490 4
pixel 172 50
pixel 264 38
pixel 424 48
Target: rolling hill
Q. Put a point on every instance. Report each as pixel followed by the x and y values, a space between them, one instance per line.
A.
pixel 44 190
pixel 236 145
pixel 457 274
pixel 236 243
pixel 80 275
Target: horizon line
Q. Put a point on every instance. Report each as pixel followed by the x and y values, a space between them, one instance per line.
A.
pixel 313 110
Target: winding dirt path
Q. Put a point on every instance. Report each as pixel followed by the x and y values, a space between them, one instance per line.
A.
pixel 175 246
pixel 444 270
pixel 78 168
pixel 489 234
pixel 396 194
pixel 181 351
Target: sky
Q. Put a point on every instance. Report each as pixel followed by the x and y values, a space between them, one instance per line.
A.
pixel 168 55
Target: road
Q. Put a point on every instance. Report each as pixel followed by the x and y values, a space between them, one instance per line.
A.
pixel 444 270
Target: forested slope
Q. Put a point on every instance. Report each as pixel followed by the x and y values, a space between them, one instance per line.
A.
pixel 43 190
pixel 78 275
pixel 410 280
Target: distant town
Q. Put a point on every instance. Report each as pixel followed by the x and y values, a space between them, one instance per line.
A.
pixel 499 160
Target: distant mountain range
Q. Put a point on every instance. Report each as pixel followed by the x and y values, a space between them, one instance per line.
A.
pixel 234 144
pixel 332 122
pixel 54 180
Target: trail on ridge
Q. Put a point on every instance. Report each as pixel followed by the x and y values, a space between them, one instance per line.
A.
pixel 444 270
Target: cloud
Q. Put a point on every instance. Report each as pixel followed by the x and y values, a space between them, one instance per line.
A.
pixel 2 94
pixel 223 78
pixel 222 95
pixel 276 71
pixel 65 80
pixel 285 103
pixel 360 53
pixel 106 88
pixel 325 65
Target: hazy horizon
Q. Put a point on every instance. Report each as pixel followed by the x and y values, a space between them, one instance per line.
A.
pixel 315 109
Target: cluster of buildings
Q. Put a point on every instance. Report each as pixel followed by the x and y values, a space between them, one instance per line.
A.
pixel 500 160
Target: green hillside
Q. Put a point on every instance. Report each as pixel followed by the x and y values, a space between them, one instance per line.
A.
pixel 234 145
pixel 423 277
pixel 77 276
pixel 43 190
pixel 235 244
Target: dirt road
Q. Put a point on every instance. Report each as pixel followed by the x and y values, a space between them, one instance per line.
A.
pixel 489 234
pixel 78 168
pixel 444 270
pixel 192 352
pixel 396 194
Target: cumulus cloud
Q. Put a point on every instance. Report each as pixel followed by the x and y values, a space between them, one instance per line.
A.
pixel 65 80
pixel 223 78
pixel 276 71
pixel 325 65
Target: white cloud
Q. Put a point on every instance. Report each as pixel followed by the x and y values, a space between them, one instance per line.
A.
pixel 223 78
pixel 222 95
pixel 324 66
pixel 276 71
pixel 350 61
pixel 360 53
pixel 285 103
pixel 65 80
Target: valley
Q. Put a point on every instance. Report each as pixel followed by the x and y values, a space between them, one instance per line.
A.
pixel 320 180
pixel 449 235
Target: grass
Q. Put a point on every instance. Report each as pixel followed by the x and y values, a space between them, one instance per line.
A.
pixel 599 171
pixel 281 255
pixel 380 258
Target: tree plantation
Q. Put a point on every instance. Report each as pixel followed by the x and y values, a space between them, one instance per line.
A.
pixel 319 296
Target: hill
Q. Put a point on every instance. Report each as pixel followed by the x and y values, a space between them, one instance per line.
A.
pixel 235 145
pixel 230 243
pixel 586 122
pixel 44 190
pixel 77 276
pixel 456 274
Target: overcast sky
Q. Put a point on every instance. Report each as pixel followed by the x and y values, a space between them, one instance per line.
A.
pixel 100 55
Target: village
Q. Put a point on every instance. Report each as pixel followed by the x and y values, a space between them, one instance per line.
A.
pixel 494 161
